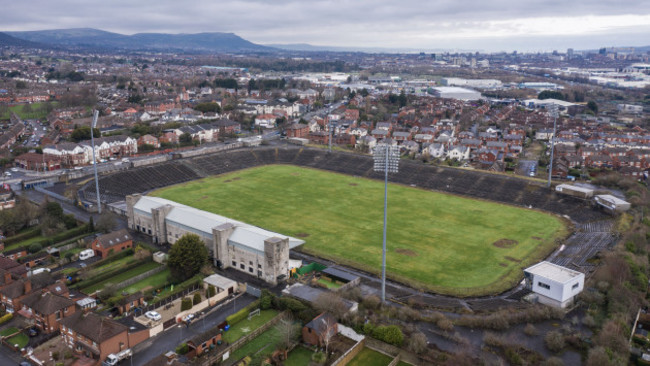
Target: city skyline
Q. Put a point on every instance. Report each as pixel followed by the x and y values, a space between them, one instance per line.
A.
pixel 474 26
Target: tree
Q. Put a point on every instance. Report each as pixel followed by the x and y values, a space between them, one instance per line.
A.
pixel 550 94
pixel 592 106
pixel 332 303
pixel 185 138
pixel 208 107
pixel 106 222
pixel 187 256
pixel 402 99
pixel 418 343
pixel 83 133
pixel 287 331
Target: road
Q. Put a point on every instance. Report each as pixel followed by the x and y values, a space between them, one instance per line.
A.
pixel 172 337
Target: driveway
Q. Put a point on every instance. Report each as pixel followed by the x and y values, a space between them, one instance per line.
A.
pixel 172 337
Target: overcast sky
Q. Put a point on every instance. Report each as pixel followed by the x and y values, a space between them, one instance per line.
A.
pixel 524 25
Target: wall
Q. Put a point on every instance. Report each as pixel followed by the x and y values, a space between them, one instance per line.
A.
pixel 139 277
pixel 350 354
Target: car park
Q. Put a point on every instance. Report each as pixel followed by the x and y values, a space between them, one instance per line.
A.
pixel 153 315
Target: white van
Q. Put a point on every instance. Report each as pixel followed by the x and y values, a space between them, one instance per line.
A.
pixel 38 271
pixel 86 253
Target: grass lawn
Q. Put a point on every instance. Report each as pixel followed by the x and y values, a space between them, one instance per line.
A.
pixel 157 280
pixel 402 363
pixel 37 111
pixel 21 340
pixel 246 326
pixel 122 277
pixel 8 331
pixel 261 346
pixel 329 284
pixel 368 357
pixel 299 356
pixel 439 242
pixel 112 265
pixel 25 243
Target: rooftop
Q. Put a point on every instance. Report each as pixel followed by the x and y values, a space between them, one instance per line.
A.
pixel 553 272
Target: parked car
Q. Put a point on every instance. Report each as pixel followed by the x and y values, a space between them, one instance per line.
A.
pixel 33 332
pixel 153 315
pixel 188 318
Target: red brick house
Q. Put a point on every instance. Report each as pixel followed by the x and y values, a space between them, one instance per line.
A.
pixel 169 137
pixel 202 343
pixel 13 294
pixel 112 243
pixel 319 329
pixel 130 302
pixel 148 140
pixel 93 335
pixel 38 162
pixel 45 310
pixel 319 137
pixel 352 114
pixel 298 130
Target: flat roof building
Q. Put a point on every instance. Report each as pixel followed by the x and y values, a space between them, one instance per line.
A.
pixel 612 203
pixel 452 92
pixel 553 284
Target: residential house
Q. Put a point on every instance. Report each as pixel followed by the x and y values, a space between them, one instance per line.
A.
pixel 298 130
pixel 149 140
pixel 203 342
pixel 38 162
pixel 13 294
pixel 94 336
pixel 318 331
pixel 319 137
pixel 169 137
pixel 112 243
pixel 130 302
pixel 265 120
pixel 436 150
pixel 458 152
pixel 45 310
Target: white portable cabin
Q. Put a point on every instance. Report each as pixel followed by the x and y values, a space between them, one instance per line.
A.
pixel 553 284
pixel 612 203
pixel 575 191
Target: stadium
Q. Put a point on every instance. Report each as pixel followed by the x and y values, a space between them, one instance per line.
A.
pixel 488 194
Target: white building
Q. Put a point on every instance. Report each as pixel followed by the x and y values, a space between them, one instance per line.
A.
pixel 554 285
pixel 230 243
pixel 453 92
pixel 612 203
pixel 473 83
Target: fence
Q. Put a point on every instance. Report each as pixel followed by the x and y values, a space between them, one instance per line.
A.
pixel 171 298
pixel 253 291
pixel 310 267
pixel 54 195
pixel 350 354
pixel 240 342
pixel 391 350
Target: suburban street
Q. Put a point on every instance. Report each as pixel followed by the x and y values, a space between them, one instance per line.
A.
pixel 171 338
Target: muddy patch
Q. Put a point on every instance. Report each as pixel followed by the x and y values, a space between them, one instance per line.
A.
pixel 353 184
pixel 236 178
pixel 204 197
pixel 406 252
pixel 505 243
pixel 227 181
pixel 512 259
pixel 302 235
pixel 503 264
pixel 536 238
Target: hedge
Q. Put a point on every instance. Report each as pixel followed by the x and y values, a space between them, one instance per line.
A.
pixel 31 233
pixel 65 235
pixel 5 318
pixel 197 279
pixel 242 314
pixel 106 275
pixel 186 304
pixel 113 258
pixel 390 334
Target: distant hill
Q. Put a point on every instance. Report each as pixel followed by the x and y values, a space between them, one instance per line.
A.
pixel 95 38
pixel 7 40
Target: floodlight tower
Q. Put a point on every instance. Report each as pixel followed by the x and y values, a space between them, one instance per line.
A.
pixel 553 112
pixel 386 159
pixel 92 141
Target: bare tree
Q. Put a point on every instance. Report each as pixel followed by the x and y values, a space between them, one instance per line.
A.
pixel 328 327
pixel 287 330
pixel 332 303
pixel 106 222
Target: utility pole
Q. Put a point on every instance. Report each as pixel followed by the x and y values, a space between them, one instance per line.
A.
pixel 92 141
pixel 552 111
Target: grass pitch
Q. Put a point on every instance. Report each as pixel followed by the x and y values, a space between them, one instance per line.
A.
pixel 438 242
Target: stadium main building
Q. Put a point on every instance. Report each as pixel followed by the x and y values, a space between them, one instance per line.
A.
pixel 231 243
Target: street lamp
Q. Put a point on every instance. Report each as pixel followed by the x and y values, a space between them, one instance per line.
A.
pixel 386 159
pixel 552 112
pixel 92 141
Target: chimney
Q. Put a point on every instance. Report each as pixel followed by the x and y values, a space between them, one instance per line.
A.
pixel 28 286
pixel 8 278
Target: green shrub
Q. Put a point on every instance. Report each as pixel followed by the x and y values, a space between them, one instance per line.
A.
pixel 55 355
pixel 554 341
pixel 319 357
pixel 186 304
pixel 266 300
pixel 390 334
pixel 34 248
pixel 243 313
pixel 182 349
pixel 287 303
pixel 211 291
pixel 5 318
pixel 197 298
pixel 31 233
pixel 65 235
